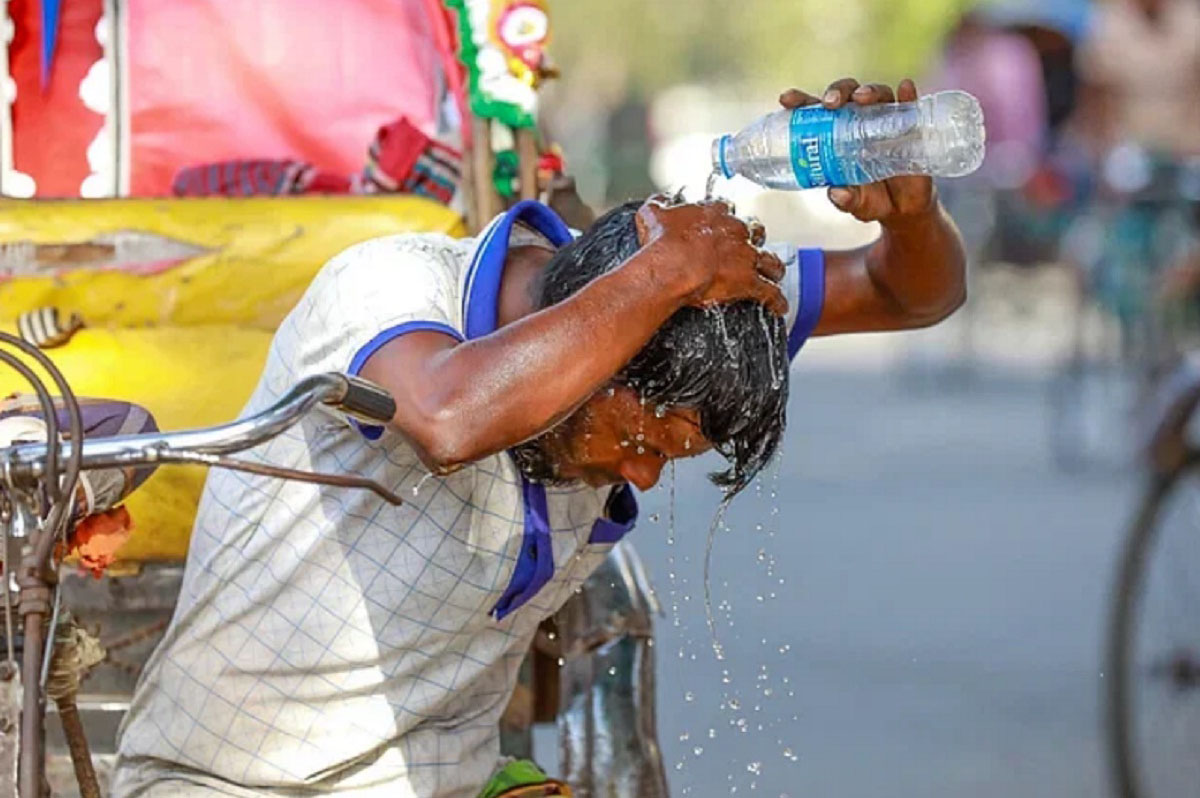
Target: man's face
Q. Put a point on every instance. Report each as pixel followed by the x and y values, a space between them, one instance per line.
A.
pixel 615 437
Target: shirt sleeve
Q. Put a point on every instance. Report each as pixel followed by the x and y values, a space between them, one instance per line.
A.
pixel 804 288
pixel 365 297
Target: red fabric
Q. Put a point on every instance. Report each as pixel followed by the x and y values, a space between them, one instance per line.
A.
pixel 52 130
pixel 222 80
pixel 400 144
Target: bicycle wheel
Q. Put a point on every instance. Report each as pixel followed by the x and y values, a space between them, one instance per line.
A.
pixel 1153 685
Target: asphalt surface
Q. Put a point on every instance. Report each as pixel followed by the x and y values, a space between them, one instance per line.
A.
pixel 921 617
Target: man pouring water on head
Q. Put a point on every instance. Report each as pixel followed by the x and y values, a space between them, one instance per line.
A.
pixel 328 643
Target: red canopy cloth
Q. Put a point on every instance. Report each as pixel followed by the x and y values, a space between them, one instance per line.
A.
pixel 214 80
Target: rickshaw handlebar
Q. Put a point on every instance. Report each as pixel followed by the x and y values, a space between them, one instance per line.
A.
pixel 354 396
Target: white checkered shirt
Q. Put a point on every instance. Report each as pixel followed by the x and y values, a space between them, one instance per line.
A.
pixel 326 641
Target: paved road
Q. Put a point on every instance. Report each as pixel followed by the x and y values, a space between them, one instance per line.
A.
pixel 938 628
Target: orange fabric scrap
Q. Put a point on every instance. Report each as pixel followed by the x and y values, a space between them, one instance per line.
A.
pixel 98 537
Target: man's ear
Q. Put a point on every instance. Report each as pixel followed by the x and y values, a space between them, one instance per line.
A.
pixel 563 198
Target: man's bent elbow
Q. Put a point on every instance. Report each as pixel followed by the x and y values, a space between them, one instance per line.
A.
pixel 936 315
pixel 440 441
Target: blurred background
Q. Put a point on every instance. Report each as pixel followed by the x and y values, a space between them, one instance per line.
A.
pixel 917 603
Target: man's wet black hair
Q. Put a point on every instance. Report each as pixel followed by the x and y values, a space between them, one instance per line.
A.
pixel 729 363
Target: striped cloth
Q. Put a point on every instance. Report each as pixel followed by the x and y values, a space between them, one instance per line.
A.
pixel 400 160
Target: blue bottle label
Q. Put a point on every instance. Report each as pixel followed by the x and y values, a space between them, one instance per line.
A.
pixel 813 158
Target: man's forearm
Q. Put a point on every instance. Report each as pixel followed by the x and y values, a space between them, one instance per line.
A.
pixel 920 263
pixel 464 402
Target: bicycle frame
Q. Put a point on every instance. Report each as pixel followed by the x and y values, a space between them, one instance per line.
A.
pixel 37 488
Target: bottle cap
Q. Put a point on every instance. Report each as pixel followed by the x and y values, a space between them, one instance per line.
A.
pixel 720 164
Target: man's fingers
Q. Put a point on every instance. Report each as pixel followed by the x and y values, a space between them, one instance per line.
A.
pixel 758 231
pixel 795 98
pixel 906 92
pixel 770 266
pixel 846 199
pixel 872 93
pixel 865 203
pixel 647 221
pixel 839 92
pixel 771 295
pixel 719 206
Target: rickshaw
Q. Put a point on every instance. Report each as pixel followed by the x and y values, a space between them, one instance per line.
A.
pixel 174 174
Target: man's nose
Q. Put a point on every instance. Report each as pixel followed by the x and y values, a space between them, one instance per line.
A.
pixel 642 472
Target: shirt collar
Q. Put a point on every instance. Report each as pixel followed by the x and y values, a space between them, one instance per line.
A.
pixel 482 292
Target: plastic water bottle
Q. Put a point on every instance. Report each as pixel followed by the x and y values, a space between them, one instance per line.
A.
pixel 940 135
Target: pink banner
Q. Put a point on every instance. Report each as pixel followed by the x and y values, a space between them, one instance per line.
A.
pixel 215 80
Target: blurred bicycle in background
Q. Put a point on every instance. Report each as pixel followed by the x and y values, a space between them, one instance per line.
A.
pixel 1137 309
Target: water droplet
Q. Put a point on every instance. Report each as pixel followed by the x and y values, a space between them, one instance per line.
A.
pixel 561 662
pixel 654 518
pixel 758 528
pixel 734 704
pixel 660 411
pixel 787 753
pixel 612 671
pixel 785 648
pixel 754 767
pixel 679 766
pixel 711 184
pixel 624 444
pixel 641 450
pixel 640 437
pixel 683 738
pixel 698 750
pixel 551 635
pixel 689 696
pixel 712 734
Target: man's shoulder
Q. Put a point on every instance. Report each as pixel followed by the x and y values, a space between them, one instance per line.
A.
pixel 402 247
pixel 413 262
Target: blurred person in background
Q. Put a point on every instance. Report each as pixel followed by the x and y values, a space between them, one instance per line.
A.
pixel 1138 122
pixel 1003 70
pixel 1140 65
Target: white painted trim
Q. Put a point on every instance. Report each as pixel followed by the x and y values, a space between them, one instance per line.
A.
pixel 119 57
pixel 6 128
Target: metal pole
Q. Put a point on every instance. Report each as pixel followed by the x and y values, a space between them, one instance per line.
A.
pixel 528 158
pixel 483 165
